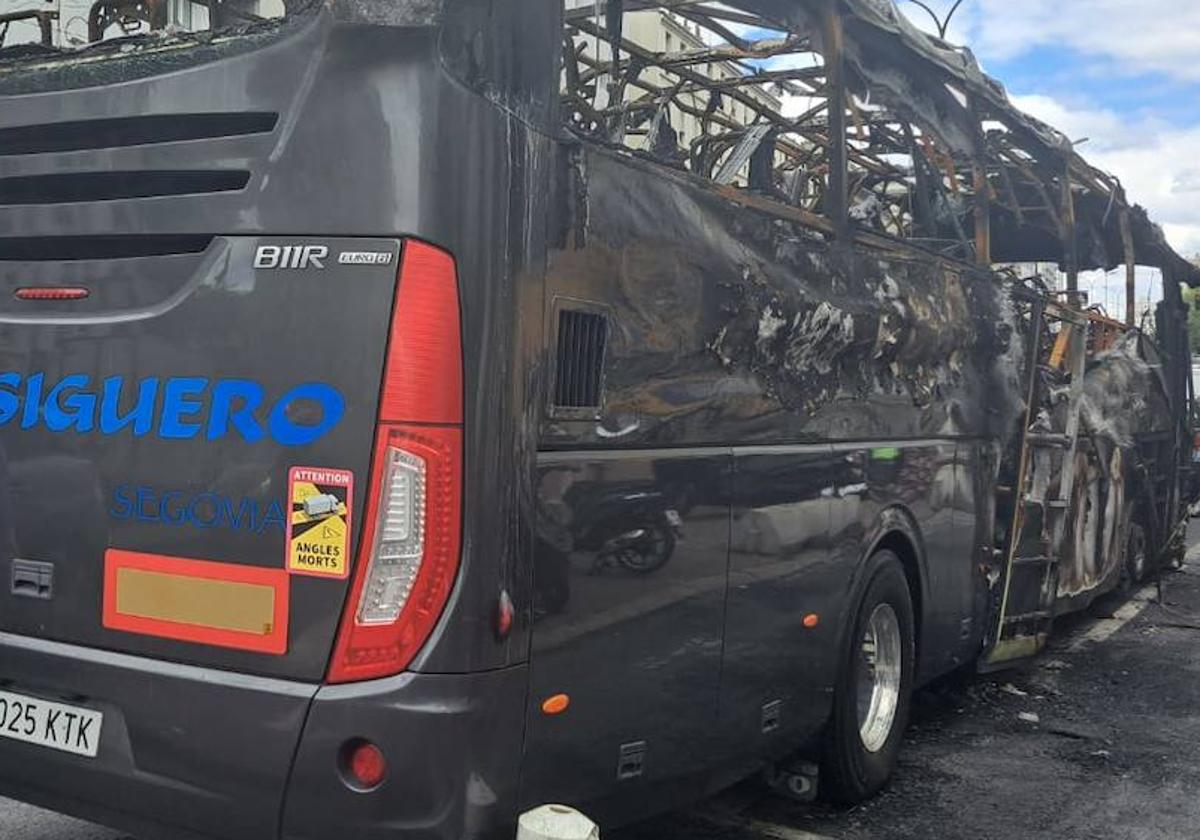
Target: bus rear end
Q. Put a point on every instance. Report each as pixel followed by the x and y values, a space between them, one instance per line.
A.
pixel 255 412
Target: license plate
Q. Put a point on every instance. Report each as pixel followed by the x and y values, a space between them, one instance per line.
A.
pixel 55 725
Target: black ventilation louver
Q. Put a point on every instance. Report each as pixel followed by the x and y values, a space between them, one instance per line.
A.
pixel 579 374
pixel 79 248
pixel 131 131
pixel 97 181
pixel 86 187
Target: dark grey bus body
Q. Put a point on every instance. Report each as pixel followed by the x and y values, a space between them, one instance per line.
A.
pixel 371 138
pixel 785 468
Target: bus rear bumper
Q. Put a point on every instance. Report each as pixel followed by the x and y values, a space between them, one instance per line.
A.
pixel 453 747
pixel 183 751
pixel 187 752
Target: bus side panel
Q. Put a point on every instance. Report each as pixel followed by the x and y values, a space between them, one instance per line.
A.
pixel 910 487
pixel 777 676
pixel 486 178
pixel 632 636
pixel 729 328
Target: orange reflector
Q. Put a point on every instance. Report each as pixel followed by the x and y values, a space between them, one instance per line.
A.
pixel 556 705
pixel 812 620
pixel 51 293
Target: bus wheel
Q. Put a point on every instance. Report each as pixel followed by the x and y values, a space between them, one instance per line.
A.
pixel 874 687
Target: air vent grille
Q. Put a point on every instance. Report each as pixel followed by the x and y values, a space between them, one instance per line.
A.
pixel 73 248
pixel 113 186
pixel 582 346
pixel 131 131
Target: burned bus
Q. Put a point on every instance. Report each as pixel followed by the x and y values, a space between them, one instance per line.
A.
pixel 414 412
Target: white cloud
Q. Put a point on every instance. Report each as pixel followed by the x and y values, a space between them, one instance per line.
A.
pixel 1140 36
pixel 1157 161
pixel 1184 238
pixel 1161 36
pixel 1103 130
pixel 1158 164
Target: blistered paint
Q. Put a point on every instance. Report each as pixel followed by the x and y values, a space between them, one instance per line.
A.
pixel 738 324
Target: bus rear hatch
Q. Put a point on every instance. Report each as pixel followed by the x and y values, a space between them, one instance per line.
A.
pixel 198 435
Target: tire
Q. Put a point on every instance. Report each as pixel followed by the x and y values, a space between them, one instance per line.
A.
pixel 856 765
pixel 650 553
pixel 1136 555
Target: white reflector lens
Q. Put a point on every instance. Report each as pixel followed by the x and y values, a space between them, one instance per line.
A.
pixel 399 539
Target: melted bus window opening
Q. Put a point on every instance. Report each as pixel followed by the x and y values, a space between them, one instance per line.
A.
pixel 815 110
pixel 745 101
pixel 73 24
pixel 680 87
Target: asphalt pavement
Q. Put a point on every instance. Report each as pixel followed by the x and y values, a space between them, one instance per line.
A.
pixel 1096 739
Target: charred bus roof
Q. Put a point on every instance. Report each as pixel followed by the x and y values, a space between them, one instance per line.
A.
pixel 937 154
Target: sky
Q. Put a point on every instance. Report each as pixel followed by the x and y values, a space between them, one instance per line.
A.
pixel 1121 78
pixel 1124 74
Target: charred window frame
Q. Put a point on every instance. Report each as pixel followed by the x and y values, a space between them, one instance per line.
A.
pixel 100 21
pixel 45 19
pixel 702 99
pixel 841 115
pixel 778 113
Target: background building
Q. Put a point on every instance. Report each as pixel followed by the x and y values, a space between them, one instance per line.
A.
pixel 71 27
pixel 666 33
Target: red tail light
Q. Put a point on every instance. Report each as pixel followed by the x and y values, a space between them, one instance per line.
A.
pixel 409 552
pixel 51 293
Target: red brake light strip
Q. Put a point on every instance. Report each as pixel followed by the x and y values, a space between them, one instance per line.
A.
pixel 52 293
pixel 421 414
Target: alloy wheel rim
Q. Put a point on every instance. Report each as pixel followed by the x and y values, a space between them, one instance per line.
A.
pixel 879 673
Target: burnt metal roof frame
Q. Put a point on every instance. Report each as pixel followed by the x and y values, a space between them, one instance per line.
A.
pixel 988 179
pixel 959 65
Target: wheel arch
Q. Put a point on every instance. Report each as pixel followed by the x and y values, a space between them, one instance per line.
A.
pixel 901 544
pixel 853 772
